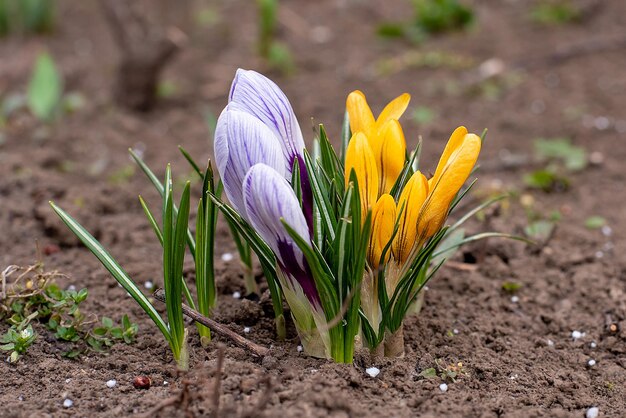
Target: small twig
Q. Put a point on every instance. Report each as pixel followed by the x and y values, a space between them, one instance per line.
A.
pixel 7 272
pixel 218 328
pixel 218 382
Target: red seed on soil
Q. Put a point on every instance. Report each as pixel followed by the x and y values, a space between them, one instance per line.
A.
pixel 142 382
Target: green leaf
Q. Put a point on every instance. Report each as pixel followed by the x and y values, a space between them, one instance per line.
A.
pixel 107 322
pixel 45 88
pixel 540 230
pixel 595 222
pixel 114 268
pixel 574 158
pixel 429 373
pixel 511 287
pixel 451 241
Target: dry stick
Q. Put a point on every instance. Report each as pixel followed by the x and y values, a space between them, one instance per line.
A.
pixel 218 381
pixel 218 328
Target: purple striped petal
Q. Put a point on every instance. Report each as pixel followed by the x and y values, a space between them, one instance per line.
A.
pixel 241 141
pixel 259 96
pixel 268 197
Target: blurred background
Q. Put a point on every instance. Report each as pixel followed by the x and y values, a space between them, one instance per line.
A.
pixel 80 82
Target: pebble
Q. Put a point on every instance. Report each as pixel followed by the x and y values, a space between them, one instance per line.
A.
pixel 596 158
pixel 593 344
pixel 455 331
pixel 591 362
pixel 111 383
pixel 443 387
pixel 71 287
pixel 246 330
pixel 299 348
pixel 20 398
pixel 237 295
pixel 607 231
pixel 551 343
pixel 68 403
pixel 514 299
pixel 148 285
pixel 165 383
pixel 601 123
pixel 577 334
pixel 227 257
pixel 68 380
pixel 592 412
pixel 372 371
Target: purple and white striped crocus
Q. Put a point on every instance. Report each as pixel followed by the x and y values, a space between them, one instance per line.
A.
pixel 258 96
pixel 257 140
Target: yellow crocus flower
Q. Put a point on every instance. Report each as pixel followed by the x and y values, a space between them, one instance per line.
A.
pixel 456 164
pixel 360 158
pixel 410 203
pixel 383 221
pixel 384 134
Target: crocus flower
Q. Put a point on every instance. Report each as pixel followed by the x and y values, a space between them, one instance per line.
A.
pixel 272 126
pixel 423 204
pixel 269 199
pixel 257 142
pixel 384 135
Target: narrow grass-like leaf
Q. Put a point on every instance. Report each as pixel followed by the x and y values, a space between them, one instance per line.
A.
pixel 115 269
pixel 191 162
pixel 151 220
pixel 480 236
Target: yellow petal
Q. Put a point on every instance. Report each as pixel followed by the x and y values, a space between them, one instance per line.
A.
pixel 360 114
pixel 412 197
pixel 444 188
pixel 383 221
pixel 455 141
pixel 359 157
pixel 394 110
pixel 392 155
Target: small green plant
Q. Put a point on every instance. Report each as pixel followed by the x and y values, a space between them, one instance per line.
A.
pixel 34 299
pixel 554 12
pixel 437 16
pixel 431 17
pixel 446 372
pixel 560 158
pixel 26 16
pixel 45 89
pixel 275 53
pixel 17 341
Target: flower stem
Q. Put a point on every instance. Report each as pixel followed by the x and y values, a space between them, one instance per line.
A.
pixel 394 342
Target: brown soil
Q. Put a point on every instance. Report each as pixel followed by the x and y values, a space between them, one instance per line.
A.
pixel 520 359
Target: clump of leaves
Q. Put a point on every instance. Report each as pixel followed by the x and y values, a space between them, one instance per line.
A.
pixel 437 16
pixel 446 372
pixel 560 157
pixel 33 299
pixel 26 16
pixel 17 341
pixel 431 17
pixel 554 12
